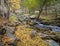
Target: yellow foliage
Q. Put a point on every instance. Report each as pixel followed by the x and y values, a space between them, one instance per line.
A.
pixel 23 33
pixel 15 4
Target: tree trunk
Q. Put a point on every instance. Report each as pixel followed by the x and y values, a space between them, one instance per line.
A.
pixel 41 9
pixel 46 10
pixel 2 4
pixel 8 14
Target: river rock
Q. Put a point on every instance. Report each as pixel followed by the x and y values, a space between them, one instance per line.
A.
pixel 43 36
pixel 33 34
pixel 10 29
pixel 33 16
pixel 1 44
pixel 52 43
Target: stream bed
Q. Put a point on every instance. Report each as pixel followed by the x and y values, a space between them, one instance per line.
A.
pixel 54 29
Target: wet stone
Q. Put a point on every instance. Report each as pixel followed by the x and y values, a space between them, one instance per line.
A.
pixel 1 44
pixel 52 43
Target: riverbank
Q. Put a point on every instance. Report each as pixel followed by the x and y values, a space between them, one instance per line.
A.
pixel 50 20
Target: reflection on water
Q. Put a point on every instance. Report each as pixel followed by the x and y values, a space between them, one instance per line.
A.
pixel 53 28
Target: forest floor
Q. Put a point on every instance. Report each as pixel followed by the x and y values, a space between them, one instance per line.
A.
pixel 23 33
